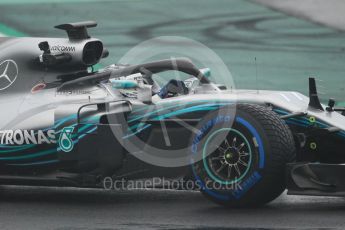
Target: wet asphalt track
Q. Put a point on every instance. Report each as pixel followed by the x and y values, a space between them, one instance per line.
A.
pixel 56 208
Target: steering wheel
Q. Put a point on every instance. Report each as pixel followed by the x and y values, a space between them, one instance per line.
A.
pixel 173 88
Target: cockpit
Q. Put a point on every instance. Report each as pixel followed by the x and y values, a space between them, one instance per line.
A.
pixel 159 80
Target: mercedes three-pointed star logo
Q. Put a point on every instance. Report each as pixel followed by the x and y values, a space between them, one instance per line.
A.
pixel 8 73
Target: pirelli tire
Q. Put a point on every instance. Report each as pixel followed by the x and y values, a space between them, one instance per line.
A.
pixel 255 146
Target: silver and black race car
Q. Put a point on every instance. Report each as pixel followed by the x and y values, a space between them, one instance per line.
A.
pixel 65 124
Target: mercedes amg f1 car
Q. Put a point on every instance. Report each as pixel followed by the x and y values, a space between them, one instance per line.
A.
pixel 65 124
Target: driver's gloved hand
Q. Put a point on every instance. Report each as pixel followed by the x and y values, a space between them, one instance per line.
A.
pixel 172 88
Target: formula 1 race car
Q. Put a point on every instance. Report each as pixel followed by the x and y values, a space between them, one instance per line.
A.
pixel 65 124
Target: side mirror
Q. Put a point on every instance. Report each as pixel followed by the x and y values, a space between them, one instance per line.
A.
pixel 144 91
pixel 206 72
pixel 123 84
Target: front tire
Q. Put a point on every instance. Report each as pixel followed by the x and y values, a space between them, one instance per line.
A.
pixel 247 167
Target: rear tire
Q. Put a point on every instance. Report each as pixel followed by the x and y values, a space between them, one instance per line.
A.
pixel 248 168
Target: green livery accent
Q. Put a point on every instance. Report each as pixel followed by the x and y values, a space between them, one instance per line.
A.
pixel 124 84
pixel 65 140
pixel 8 31
pixel 206 72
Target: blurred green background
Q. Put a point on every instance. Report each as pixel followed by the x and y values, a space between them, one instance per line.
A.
pixel 288 50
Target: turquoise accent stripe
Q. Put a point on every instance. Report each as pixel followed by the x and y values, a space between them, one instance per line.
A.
pixel 123 84
pixel 204 107
pixel 342 134
pixel 10 148
pixel 90 119
pixel 167 105
pixel 63 120
pixel 299 121
pixel 174 106
pixel 295 123
pixel 139 117
pixel 89 131
pixel 46 152
pixel 18 148
pixel 21 147
pixel 136 132
pixel 183 111
pixel 304 122
pixel 8 31
pixel 28 156
pixel 36 163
